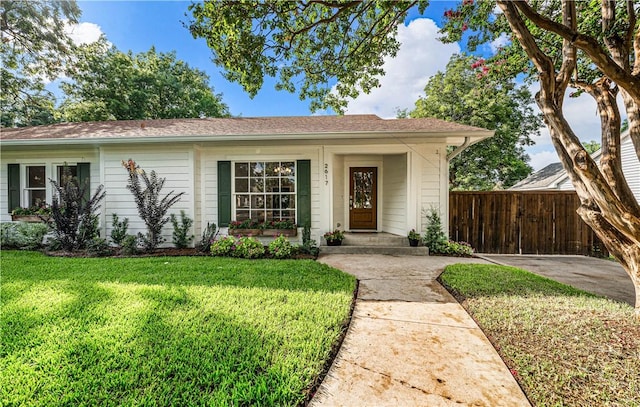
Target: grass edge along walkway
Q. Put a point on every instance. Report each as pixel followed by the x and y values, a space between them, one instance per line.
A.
pixel 564 346
pixel 166 331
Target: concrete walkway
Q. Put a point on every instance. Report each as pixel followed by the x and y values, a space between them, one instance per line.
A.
pixel 598 276
pixel 411 344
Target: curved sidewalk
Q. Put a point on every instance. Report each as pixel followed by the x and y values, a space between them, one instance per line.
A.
pixel 411 344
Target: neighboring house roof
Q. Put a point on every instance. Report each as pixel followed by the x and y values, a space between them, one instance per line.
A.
pixel 240 128
pixel 546 178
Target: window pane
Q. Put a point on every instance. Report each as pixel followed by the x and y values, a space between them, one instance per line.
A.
pixel 73 171
pixel 242 215
pixel 258 215
pixel 242 201
pixel 257 185
pixel 288 168
pixel 257 201
pixel 242 169
pixel 37 197
pixel 242 185
pixel 288 184
pixel 273 215
pixel 291 215
pixel 287 201
pixel 257 169
pixel 273 169
pixel 272 185
pixel 35 177
pixel 273 202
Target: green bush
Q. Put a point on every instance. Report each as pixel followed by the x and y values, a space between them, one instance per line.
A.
pixel 130 245
pixel 248 248
pixel 181 237
pixel 434 237
pixel 280 247
pixel 98 247
pixel 120 229
pixel 22 235
pixel 223 246
pixel 451 248
pixel 208 237
pixel 309 245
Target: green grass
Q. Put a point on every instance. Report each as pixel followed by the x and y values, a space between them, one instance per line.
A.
pixel 166 331
pixel 565 347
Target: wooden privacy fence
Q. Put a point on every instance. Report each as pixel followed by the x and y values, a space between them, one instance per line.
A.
pixel 521 222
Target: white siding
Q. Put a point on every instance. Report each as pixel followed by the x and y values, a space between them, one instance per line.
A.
pixel 51 159
pixel 394 215
pixel 430 163
pixel 175 164
pixel 340 186
pixel 631 167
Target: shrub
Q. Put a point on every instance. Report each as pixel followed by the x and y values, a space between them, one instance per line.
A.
pixel 280 247
pixel 120 229
pixel 433 234
pixel 451 248
pixel 74 219
pixel 151 208
pixel 130 245
pixel 181 237
pixel 223 246
pixel 208 237
pixel 98 247
pixel 248 247
pixel 309 246
pixel 22 235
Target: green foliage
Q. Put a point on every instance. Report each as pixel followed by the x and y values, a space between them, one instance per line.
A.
pixel 196 330
pixel 591 146
pixel 208 237
pixel 305 44
pixel 119 229
pixel 461 95
pixel 34 47
pixel 451 248
pixel 309 246
pixel 433 233
pixel 75 222
pixel 109 84
pixel 181 237
pixel 248 247
pixel 280 247
pixel 22 235
pixel 278 224
pixel 130 245
pixel 336 234
pixel 43 209
pixel 151 208
pixel 98 247
pixel 223 246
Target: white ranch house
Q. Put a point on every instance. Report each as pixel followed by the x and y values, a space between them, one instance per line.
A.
pixel 359 171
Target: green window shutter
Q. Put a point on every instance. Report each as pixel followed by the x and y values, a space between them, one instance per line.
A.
pixel 303 179
pixel 13 175
pixel 84 178
pixel 224 193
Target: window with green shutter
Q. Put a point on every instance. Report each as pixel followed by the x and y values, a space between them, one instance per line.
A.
pixel 304 192
pixel 13 180
pixel 224 193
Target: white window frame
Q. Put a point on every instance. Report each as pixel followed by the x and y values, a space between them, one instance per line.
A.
pixel 26 189
pixel 234 194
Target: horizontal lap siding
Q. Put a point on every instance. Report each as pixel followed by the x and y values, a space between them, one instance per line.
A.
pixel 174 164
pixel 430 182
pixel 394 194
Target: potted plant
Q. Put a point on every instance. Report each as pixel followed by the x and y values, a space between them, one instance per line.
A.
pixel 39 213
pixel 247 227
pixel 275 228
pixel 334 238
pixel 414 238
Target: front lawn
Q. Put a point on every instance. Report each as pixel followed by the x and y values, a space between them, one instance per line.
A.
pixel 166 331
pixel 564 346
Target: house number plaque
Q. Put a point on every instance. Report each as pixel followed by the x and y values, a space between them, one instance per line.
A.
pixel 326 174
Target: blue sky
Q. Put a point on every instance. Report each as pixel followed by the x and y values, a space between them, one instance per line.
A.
pixel 138 25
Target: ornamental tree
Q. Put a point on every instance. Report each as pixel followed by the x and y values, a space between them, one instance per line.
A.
pixel 591 47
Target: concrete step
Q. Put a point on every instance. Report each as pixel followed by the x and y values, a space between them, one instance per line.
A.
pixel 388 250
pixel 374 239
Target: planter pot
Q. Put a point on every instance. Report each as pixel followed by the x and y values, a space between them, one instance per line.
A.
pixel 245 232
pixel 278 232
pixel 414 242
pixel 334 242
pixel 29 218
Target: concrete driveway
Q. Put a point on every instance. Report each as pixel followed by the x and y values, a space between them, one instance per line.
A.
pixel 598 276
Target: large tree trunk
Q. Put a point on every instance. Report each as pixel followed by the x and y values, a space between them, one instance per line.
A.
pixel 607 204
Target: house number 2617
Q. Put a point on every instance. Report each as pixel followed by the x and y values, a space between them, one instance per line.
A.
pixel 326 174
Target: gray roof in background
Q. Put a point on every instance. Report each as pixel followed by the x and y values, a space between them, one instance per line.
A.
pixel 542 179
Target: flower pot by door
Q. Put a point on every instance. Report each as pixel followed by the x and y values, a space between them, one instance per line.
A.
pixel 334 242
pixel 414 242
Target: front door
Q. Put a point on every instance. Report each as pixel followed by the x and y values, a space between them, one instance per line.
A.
pixel 363 196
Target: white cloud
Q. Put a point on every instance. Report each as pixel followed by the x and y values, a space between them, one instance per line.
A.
pixel 83 33
pixel 499 42
pixel 421 55
pixel 542 159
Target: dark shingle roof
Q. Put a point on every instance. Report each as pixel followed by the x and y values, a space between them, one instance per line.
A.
pixel 543 178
